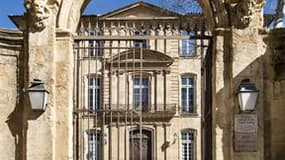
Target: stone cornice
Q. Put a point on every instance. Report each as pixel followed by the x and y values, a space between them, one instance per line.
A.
pixel 11 38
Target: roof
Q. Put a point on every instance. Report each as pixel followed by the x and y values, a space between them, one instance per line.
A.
pixel 158 11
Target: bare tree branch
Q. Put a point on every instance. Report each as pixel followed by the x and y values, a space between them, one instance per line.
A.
pixel 182 6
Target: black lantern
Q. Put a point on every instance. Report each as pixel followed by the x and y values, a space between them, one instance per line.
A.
pixel 38 95
pixel 247 96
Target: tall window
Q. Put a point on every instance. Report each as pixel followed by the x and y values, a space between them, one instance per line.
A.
pixel 187 47
pixel 187 145
pixel 141 92
pixel 187 93
pixel 136 148
pixel 95 47
pixel 94 93
pixel 140 43
pixel 94 147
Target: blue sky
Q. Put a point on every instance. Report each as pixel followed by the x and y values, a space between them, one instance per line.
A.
pixel 15 7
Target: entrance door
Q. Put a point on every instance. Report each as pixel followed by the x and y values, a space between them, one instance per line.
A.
pixel 135 145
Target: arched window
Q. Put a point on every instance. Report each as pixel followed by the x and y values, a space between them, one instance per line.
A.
pixel 188 144
pixel 94 92
pixel 188 86
pixel 136 147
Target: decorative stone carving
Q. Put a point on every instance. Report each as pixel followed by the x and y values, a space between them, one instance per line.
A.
pixel 242 13
pixel 39 12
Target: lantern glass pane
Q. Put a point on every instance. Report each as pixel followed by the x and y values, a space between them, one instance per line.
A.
pixel 36 100
pixel 248 100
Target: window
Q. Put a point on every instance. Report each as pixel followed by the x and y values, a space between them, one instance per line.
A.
pixel 94 146
pixel 94 93
pixel 95 48
pixel 187 145
pixel 187 93
pixel 135 147
pixel 187 47
pixel 140 43
pixel 141 92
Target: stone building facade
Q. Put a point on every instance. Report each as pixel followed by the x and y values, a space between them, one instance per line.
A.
pixel 47 46
pixel 139 80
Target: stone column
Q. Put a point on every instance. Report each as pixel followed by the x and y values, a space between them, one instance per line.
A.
pixel 64 94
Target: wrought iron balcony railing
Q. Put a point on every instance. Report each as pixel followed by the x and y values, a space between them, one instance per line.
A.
pixel 154 109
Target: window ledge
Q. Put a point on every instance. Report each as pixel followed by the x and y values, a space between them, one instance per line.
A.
pixel 183 114
pixel 188 57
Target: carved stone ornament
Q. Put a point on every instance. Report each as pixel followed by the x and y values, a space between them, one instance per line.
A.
pixel 39 12
pixel 243 12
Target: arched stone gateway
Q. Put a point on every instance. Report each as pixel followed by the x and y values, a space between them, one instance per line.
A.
pixel 238 53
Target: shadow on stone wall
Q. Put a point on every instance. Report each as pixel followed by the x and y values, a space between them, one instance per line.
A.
pixel 270 107
pixel 15 119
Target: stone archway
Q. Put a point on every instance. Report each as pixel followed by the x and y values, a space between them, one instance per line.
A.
pixel 48 47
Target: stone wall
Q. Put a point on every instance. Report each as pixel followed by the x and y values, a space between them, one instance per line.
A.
pixel 11 52
pixel 238 56
pixel 275 95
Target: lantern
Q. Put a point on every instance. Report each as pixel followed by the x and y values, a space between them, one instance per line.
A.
pixel 38 95
pixel 247 96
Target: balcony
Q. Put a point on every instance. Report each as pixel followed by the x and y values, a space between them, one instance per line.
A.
pixel 129 111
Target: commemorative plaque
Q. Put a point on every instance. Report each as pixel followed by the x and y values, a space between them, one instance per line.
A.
pixel 245 133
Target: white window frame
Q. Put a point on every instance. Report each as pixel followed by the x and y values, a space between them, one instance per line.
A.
pixel 188 86
pixel 96 89
pixel 148 77
pixel 189 51
pixel 94 145
pixel 94 46
pixel 190 141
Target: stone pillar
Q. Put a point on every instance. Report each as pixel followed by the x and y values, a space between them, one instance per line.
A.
pixel 274 97
pixel 221 133
pixel 49 133
pixel 159 90
pixel 159 142
pixel 50 58
pixel 238 56
pixel 248 63
pixel 64 94
pixel 41 125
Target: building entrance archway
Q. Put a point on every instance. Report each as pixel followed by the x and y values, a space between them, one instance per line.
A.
pixel 145 147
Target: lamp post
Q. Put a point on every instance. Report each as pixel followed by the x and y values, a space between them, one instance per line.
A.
pixel 38 95
pixel 247 96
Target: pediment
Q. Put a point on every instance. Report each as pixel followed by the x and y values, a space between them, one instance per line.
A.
pixel 146 56
pixel 140 10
